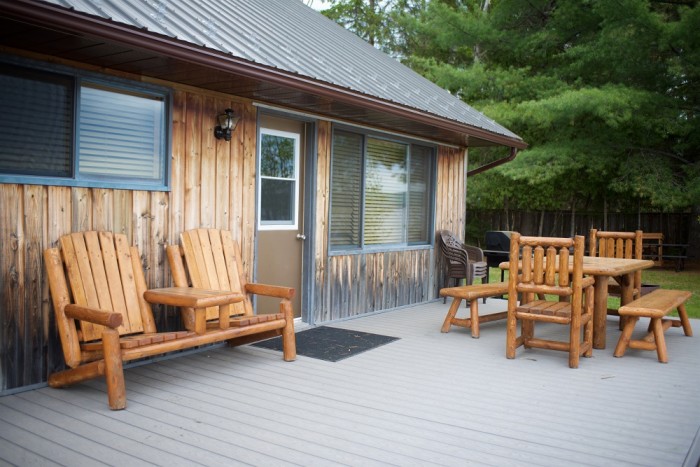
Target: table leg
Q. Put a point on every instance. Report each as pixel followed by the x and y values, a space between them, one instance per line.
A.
pixel 600 311
pixel 626 293
pixel 627 286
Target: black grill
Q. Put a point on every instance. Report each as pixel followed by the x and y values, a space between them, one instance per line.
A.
pixel 497 248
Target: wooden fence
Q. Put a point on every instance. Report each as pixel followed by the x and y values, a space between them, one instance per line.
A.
pixel 676 227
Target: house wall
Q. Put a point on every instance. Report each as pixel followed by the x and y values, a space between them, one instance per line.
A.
pixel 451 202
pixel 212 185
pixel 349 285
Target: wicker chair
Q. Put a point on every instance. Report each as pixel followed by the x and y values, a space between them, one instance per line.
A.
pixel 463 261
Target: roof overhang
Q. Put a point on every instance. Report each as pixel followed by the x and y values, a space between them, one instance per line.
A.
pixel 47 29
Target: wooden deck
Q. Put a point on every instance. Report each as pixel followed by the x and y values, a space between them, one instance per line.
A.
pixel 426 399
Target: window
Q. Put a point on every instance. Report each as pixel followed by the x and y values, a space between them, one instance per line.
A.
pixel 381 192
pixel 65 127
pixel 279 180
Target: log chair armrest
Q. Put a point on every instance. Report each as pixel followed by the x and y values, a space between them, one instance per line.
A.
pixel 587 281
pixel 270 290
pixel 101 317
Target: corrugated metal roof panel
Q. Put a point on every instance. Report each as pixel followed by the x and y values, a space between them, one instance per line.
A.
pixel 288 35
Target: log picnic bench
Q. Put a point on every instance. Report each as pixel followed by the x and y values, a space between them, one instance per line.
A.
pixel 104 316
pixel 472 293
pixel 655 305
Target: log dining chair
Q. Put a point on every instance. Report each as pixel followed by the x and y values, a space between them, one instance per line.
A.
pixel 463 261
pixel 542 258
pixel 609 244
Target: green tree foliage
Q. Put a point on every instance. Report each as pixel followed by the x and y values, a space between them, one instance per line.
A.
pixel 605 92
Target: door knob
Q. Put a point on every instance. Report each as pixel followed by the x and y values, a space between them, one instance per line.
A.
pixel 301 237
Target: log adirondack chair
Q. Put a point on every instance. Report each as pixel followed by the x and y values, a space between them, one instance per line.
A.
pixel 539 276
pixel 103 313
pixel 212 260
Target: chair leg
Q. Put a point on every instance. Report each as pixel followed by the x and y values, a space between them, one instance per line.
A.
pixel 114 371
pixel 447 284
pixel 588 327
pixel 574 341
pixel 528 331
pixel 289 343
pixel 511 335
pixel 588 338
pixel 448 279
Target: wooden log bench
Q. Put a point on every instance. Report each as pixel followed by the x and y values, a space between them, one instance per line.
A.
pixel 472 293
pixel 655 305
pixel 104 316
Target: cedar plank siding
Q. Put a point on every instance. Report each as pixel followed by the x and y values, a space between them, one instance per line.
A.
pixel 450 202
pixel 33 217
pixel 212 185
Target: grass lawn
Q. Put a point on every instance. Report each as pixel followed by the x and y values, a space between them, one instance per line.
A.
pixel 688 279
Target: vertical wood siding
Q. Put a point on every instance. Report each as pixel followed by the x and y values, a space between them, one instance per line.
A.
pixel 451 201
pixel 350 285
pixel 212 185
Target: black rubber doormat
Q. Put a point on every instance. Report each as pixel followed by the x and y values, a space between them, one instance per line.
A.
pixel 330 344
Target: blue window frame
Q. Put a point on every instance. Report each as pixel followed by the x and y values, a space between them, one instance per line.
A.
pixel 381 193
pixel 62 126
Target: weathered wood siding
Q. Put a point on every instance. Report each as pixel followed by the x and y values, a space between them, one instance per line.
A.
pixel 451 202
pixel 213 185
pixel 451 192
pixel 349 285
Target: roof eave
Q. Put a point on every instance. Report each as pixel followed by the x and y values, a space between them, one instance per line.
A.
pixel 77 22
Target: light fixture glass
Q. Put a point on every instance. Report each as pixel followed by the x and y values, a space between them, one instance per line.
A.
pixel 227 123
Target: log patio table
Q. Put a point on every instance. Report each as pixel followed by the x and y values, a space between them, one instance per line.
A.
pixel 622 269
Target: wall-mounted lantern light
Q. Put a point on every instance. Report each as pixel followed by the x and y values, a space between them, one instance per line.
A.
pixel 227 123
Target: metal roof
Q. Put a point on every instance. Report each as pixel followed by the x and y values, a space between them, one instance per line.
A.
pixel 290 37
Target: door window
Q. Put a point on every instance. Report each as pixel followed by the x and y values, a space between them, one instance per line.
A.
pixel 278 190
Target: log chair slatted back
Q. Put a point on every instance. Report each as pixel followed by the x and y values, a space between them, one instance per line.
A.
pixel 105 273
pixel 214 261
pixel 608 244
pixel 540 266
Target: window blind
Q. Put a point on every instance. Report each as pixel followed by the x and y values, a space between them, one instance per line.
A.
pixel 35 122
pixel 419 190
pixel 120 135
pixel 385 192
pixel 346 190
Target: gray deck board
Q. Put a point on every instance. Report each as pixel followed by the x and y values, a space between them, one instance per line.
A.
pixel 18 454
pixel 426 399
